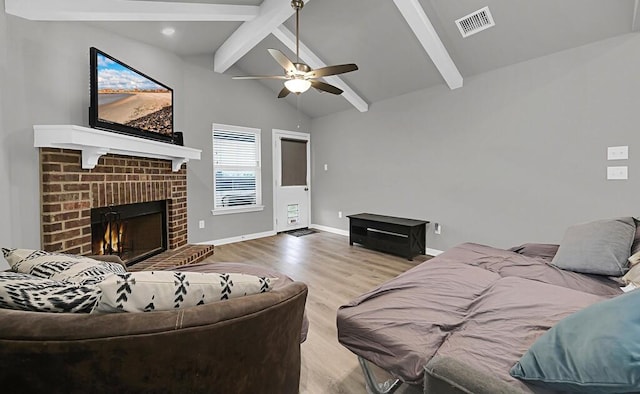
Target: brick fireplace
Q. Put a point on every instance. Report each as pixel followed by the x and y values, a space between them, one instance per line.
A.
pixel 69 192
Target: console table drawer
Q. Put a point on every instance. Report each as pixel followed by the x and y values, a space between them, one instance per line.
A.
pixel 358 238
pixel 381 226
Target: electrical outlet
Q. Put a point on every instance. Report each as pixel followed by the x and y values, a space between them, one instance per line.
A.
pixel 201 224
pixel 618 153
pixel 617 173
pixel 339 214
pixel 437 228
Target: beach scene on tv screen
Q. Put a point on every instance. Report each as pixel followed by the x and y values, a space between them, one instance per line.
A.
pixel 130 99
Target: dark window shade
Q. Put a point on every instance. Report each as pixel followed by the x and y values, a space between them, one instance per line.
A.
pixel 294 162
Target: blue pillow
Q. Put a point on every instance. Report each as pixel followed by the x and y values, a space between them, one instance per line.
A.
pixel 595 350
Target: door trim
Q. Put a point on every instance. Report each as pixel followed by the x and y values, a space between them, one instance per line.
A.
pixel 296 135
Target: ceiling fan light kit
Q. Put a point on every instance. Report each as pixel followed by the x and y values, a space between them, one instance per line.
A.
pixel 297 85
pixel 299 77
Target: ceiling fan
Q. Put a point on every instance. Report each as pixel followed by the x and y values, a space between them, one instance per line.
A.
pixel 298 76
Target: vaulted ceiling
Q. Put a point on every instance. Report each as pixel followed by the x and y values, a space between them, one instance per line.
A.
pixel 399 45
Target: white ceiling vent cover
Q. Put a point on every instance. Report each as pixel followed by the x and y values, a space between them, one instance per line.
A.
pixel 475 22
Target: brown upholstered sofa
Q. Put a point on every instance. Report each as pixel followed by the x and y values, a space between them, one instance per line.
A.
pixel 249 344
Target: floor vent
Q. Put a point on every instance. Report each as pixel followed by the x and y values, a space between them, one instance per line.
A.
pixel 475 22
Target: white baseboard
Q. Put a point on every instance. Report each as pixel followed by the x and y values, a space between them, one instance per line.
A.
pixel 239 238
pixel 330 229
pixel 432 252
pixel 247 237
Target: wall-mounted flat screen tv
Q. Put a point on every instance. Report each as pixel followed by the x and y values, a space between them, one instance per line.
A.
pixel 127 101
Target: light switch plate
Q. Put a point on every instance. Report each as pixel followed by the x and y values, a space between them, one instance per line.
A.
pixel 617 153
pixel 617 173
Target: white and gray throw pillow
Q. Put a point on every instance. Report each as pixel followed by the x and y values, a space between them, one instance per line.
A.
pixel 61 267
pixel 601 247
pixel 147 291
pixel 47 281
pixel 30 293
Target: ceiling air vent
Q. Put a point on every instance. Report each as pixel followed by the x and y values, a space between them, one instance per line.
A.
pixel 475 22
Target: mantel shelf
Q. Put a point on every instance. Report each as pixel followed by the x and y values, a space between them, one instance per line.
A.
pixel 94 143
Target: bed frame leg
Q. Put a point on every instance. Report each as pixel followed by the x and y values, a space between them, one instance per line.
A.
pixel 373 387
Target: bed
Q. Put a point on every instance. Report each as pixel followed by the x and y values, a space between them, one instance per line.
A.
pixel 480 309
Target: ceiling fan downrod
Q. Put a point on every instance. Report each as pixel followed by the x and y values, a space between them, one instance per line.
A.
pixel 299 77
pixel 297 5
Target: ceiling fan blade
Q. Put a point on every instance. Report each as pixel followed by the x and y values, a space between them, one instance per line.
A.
pixel 261 77
pixel 332 70
pixel 282 60
pixel 283 93
pixel 326 87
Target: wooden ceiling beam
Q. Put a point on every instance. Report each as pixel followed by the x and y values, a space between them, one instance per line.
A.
pixel 119 10
pixel 419 22
pixel 272 14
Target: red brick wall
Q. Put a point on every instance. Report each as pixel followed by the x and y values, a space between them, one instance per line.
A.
pixel 69 192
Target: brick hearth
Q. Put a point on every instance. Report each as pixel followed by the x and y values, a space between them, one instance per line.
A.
pixel 188 254
pixel 69 192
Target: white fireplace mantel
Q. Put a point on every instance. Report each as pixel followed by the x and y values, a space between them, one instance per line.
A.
pixel 94 143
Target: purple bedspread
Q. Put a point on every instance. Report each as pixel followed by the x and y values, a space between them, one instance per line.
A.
pixel 482 305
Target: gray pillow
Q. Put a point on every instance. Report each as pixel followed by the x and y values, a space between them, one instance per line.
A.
pixel 635 248
pixel 601 247
pixel 595 350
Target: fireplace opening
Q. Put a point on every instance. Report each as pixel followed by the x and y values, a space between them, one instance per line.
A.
pixel 133 232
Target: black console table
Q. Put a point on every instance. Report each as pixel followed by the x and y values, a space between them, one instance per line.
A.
pixel 400 236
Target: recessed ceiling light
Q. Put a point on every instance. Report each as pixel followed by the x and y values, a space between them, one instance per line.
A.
pixel 168 31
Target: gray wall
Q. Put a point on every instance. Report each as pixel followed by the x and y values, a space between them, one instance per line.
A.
pixel 216 98
pixel 515 156
pixel 6 237
pixel 45 80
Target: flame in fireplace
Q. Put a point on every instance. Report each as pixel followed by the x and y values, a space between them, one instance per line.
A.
pixel 112 240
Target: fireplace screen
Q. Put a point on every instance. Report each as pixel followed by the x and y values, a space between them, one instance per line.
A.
pixel 133 231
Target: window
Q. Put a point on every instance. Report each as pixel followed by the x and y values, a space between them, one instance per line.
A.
pixel 236 169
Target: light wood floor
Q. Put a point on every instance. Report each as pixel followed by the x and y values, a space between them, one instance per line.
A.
pixel 335 273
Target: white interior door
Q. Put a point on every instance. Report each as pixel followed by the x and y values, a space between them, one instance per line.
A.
pixel 291 169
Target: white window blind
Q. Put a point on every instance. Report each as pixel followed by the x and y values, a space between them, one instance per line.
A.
pixel 236 168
